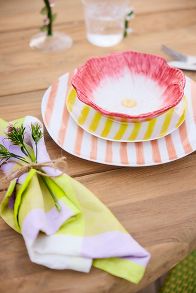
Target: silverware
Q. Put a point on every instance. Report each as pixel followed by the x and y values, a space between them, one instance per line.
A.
pixel 179 56
pixel 182 65
pixel 181 61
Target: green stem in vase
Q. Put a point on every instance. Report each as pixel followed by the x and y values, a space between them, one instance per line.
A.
pixel 49 14
pixel 49 17
pixel 126 23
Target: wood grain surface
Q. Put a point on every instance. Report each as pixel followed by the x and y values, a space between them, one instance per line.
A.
pixel 157 205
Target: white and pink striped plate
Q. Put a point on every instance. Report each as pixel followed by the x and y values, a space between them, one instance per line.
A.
pixel 73 139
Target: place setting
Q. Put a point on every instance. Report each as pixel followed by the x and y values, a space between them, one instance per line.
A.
pixel 124 109
pixel 100 229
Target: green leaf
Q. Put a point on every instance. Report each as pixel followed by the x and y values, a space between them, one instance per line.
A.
pixel 54 16
pixel 44 10
pixel 130 13
pixel 44 28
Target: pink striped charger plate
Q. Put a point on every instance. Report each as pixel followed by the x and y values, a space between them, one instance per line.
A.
pixel 73 139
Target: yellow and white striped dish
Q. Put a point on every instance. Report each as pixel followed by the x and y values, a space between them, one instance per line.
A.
pixel 107 128
pixel 74 140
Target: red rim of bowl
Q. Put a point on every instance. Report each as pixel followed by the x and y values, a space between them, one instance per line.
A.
pixel 83 98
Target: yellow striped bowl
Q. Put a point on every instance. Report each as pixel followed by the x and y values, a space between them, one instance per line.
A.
pixel 108 128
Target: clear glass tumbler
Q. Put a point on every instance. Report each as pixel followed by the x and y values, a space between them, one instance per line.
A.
pixel 105 21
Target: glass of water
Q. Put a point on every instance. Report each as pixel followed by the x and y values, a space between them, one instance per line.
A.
pixel 105 21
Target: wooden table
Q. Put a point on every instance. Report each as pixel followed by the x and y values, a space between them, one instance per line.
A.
pixel 157 205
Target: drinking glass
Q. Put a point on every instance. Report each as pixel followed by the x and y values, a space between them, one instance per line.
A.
pixel 105 21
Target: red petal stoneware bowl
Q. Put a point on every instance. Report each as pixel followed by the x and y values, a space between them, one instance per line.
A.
pixel 129 85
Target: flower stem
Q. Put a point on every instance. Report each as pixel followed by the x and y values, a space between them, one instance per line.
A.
pixel 19 158
pixel 26 150
pixel 36 152
pixel 49 12
pixel 126 23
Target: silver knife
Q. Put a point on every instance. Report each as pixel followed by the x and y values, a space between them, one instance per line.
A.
pixel 183 65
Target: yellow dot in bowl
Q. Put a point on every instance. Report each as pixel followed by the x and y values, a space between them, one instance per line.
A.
pixel 129 103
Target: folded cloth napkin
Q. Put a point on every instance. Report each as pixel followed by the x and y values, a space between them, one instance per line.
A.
pixel 82 234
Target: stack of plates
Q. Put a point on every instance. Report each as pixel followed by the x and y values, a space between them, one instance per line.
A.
pixel 126 109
